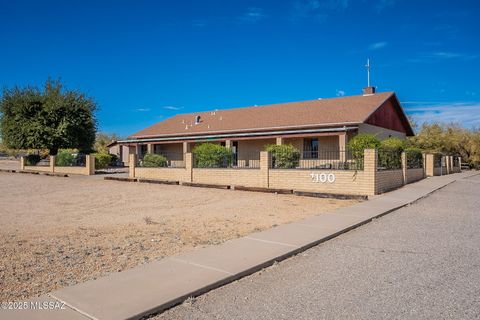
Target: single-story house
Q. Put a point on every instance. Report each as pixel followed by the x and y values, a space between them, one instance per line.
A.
pixel 315 127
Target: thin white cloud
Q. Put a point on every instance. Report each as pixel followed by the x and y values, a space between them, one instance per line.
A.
pixel 252 15
pixel 340 93
pixel 142 110
pixel 172 108
pixel 464 113
pixel 439 56
pixel 377 45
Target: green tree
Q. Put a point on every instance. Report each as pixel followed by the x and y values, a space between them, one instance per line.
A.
pixel 450 139
pixel 102 140
pixel 51 118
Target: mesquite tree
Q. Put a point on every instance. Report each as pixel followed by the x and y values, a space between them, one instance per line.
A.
pixel 52 118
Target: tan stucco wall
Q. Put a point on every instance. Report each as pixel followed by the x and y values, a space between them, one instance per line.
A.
pixel 380 132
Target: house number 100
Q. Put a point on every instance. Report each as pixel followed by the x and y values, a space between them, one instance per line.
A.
pixel 323 177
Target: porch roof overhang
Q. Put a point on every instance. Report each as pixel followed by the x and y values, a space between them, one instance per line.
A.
pixel 243 135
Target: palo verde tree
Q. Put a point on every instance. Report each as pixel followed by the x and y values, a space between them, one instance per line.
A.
pixel 51 118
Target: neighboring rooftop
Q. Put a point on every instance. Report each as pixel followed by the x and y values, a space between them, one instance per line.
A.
pixel 311 113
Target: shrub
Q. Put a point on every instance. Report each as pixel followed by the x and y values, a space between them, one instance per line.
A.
pixel 284 156
pixel 414 157
pixel 154 160
pixel 393 144
pixel 64 159
pixel 363 141
pixel 209 155
pixel 32 159
pixel 102 160
pixel 390 153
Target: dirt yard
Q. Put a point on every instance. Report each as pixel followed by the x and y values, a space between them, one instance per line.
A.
pixel 56 231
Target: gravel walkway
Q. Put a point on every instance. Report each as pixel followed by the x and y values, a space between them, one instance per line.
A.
pixel 420 262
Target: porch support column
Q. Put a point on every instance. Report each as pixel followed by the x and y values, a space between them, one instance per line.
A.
pixel 150 148
pixel 228 144
pixel 186 147
pixel 342 145
pixel 279 141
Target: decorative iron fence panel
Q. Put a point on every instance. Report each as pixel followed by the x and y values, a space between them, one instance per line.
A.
pixel 414 159
pixel 334 159
pixel 162 160
pixel 389 159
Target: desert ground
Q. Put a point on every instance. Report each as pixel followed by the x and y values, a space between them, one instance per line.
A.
pixel 58 231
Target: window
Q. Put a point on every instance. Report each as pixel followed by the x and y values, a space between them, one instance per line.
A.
pixel 310 148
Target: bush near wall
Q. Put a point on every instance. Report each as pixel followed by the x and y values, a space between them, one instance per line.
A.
pixel 102 160
pixel 284 156
pixel 209 155
pixel 414 157
pixel 154 160
pixel 64 159
pixel 359 143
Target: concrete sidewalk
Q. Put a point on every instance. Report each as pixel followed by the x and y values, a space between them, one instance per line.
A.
pixel 159 285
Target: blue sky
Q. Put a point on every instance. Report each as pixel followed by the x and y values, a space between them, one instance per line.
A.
pixel 144 61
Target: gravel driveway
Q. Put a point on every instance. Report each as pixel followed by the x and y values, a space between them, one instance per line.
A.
pixel 56 232
pixel 420 262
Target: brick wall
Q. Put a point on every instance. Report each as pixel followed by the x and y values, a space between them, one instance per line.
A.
pixel 228 176
pixel 388 180
pixel 88 169
pixel 414 175
pixel 173 174
pixel 369 181
pixel 346 182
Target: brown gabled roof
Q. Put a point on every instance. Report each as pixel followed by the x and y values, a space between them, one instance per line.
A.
pixel 312 113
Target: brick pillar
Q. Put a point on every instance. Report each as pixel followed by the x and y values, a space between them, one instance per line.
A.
pixel 451 164
pixel 265 162
pixel 189 166
pixel 132 162
pixel 404 168
pixel 459 164
pixel 22 163
pixel 279 141
pixel 150 148
pixel 228 144
pixel 186 147
pixel 424 161
pixel 447 163
pixel 370 158
pixel 90 165
pixel 52 163
pixel 429 165
pixel 342 145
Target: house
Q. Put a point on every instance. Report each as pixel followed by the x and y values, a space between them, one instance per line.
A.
pixel 316 127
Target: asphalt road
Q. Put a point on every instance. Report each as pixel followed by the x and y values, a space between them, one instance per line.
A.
pixel 420 262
